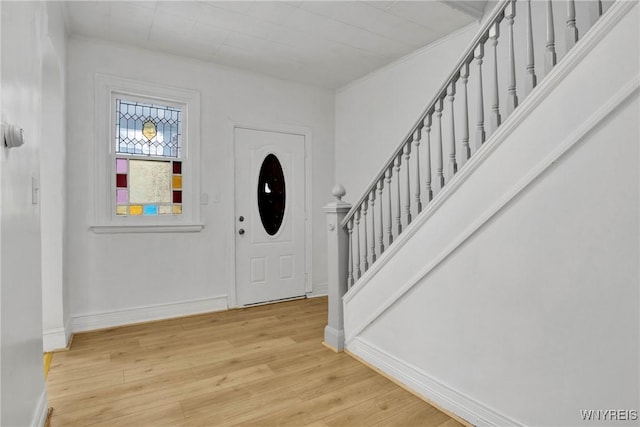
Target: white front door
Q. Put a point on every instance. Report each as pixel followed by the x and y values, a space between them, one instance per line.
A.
pixel 269 215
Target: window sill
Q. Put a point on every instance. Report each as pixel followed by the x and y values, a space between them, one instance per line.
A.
pixel 176 228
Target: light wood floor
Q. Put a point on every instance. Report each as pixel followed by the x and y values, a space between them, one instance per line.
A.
pixel 261 366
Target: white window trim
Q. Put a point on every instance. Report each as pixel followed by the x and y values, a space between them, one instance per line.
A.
pixel 104 218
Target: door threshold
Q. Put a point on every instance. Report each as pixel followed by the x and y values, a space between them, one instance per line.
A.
pixel 275 301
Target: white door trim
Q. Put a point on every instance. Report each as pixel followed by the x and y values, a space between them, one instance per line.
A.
pixel 231 238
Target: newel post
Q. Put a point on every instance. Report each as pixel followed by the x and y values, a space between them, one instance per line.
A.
pixel 338 246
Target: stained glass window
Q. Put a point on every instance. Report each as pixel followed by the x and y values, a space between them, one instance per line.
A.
pixel 150 187
pixel 148 129
pixel 148 164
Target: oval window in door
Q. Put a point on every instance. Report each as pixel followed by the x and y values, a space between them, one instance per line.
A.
pixel 271 194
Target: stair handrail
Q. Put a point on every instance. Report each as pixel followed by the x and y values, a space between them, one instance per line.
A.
pixel 481 36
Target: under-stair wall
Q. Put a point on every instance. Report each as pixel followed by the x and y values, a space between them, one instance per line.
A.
pixel 513 298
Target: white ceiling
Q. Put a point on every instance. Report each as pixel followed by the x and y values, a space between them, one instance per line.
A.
pixel 325 43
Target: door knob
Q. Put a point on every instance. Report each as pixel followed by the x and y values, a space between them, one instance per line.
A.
pixel 241 231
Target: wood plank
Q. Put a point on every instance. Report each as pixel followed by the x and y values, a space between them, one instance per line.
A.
pixel 82 385
pixel 239 411
pixel 166 415
pixel 375 410
pixel 326 404
pixel 416 414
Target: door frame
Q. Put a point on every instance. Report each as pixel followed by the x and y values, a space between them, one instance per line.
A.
pixel 232 301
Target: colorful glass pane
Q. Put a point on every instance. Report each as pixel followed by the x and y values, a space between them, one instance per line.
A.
pixel 177 167
pixel 150 209
pixel 149 129
pixel 177 182
pixel 121 165
pixel 122 196
pixel 177 197
pixel 121 180
pixel 150 181
pixel 121 210
pixel 135 210
pixel 164 210
pixel 177 209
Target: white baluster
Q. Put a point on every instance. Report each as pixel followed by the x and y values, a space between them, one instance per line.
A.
pixel 439 174
pixel 372 202
pixel 512 98
pixel 365 261
pixel 466 150
pixel 451 92
pixel 350 280
pixel 494 123
pixel 356 255
pixel 572 30
pixel 531 80
pixel 381 221
pixel 389 224
pixel 480 135
pixel 595 11
pixel 399 204
pixel 417 135
pixel 550 52
pixel 407 206
pixel 427 169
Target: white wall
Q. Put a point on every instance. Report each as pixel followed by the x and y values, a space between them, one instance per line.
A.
pixel 52 186
pixel 374 113
pixel 23 391
pixel 523 286
pixel 114 272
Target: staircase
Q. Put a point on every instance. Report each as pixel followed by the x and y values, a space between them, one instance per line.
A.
pixel 490 250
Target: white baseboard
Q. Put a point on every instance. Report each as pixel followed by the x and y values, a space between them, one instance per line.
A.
pixel 319 290
pixel 429 388
pixel 334 338
pixel 68 332
pixel 41 410
pixel 89 322
pixel 54 339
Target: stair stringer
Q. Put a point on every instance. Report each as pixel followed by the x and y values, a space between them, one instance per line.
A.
pixel 577 97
